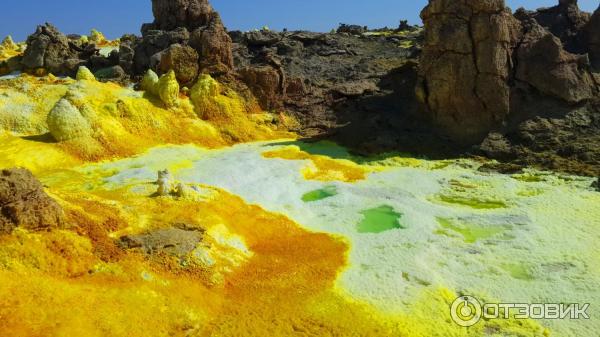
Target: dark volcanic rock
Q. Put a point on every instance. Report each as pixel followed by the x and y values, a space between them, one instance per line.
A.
pixel 313 75
pixel 545 65
pixel 465 66
pixel 171 14
pixel 565 21
pixel 185 22
pixel 214 46
pixel 351 29
pixel 483 69
pixel 181 59
pixel 147 50
pixel 49 49
pixel 115 73
pixel 262 38
pixel 593 34
pixel 568 143
pixel 23 203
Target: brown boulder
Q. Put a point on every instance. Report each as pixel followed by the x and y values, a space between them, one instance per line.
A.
pixel 544 64
pixel 266 83
pixel 465 65
pixel 183 60
pixel 23 203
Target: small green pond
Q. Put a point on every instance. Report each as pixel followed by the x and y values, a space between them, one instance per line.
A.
pixel 320 194
pixel 379 219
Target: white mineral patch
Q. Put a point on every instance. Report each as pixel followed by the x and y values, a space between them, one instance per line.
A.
pixel 522 239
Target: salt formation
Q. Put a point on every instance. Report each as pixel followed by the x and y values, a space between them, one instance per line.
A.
pixel 66 122
pixel 203 96
pixel 168 89
pixel 83 73
pixel 150 82
pixel 164 182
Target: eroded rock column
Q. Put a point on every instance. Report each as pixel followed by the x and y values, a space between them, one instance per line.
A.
pixel 465 65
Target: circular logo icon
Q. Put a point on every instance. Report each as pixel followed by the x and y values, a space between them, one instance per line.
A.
pixel 466 311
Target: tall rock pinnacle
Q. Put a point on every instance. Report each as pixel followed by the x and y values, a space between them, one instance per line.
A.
pixel 465 65
pixel 207 35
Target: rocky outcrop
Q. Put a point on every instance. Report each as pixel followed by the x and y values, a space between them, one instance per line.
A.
pixel 49 49
pixel 466 64
pixel 593 35
pixel 565 21
pixel 23 203
pixel 191 23
pixel 266 83
pixel 313 76
pixel 214 47
pixel 172 14
pixel 544 64
pixel 482 67
pixel 183 60
pixel 148 49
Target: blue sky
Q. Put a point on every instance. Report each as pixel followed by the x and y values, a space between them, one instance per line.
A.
pixel 116 17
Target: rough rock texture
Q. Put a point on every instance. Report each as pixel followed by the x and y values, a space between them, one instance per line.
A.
pixel 178 241
pixel 466 64
pixel 266 83
pixel 523 84
pixel 544 64
pixel 565 21
pixel 185 22
pixel 147 50
pixel 23 203
pixel 214 46
pixel 566 143
pixel 328 81
pixel 593 35
pixel 183 60
pixel 49 49
pixel 114 73
pixel 171 14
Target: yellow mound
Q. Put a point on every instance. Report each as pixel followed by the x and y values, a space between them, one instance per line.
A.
pixel 122 122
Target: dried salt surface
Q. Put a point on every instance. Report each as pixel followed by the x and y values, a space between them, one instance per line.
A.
pixel 528 238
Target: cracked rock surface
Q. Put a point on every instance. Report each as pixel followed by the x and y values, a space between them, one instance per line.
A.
pixel 479 60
